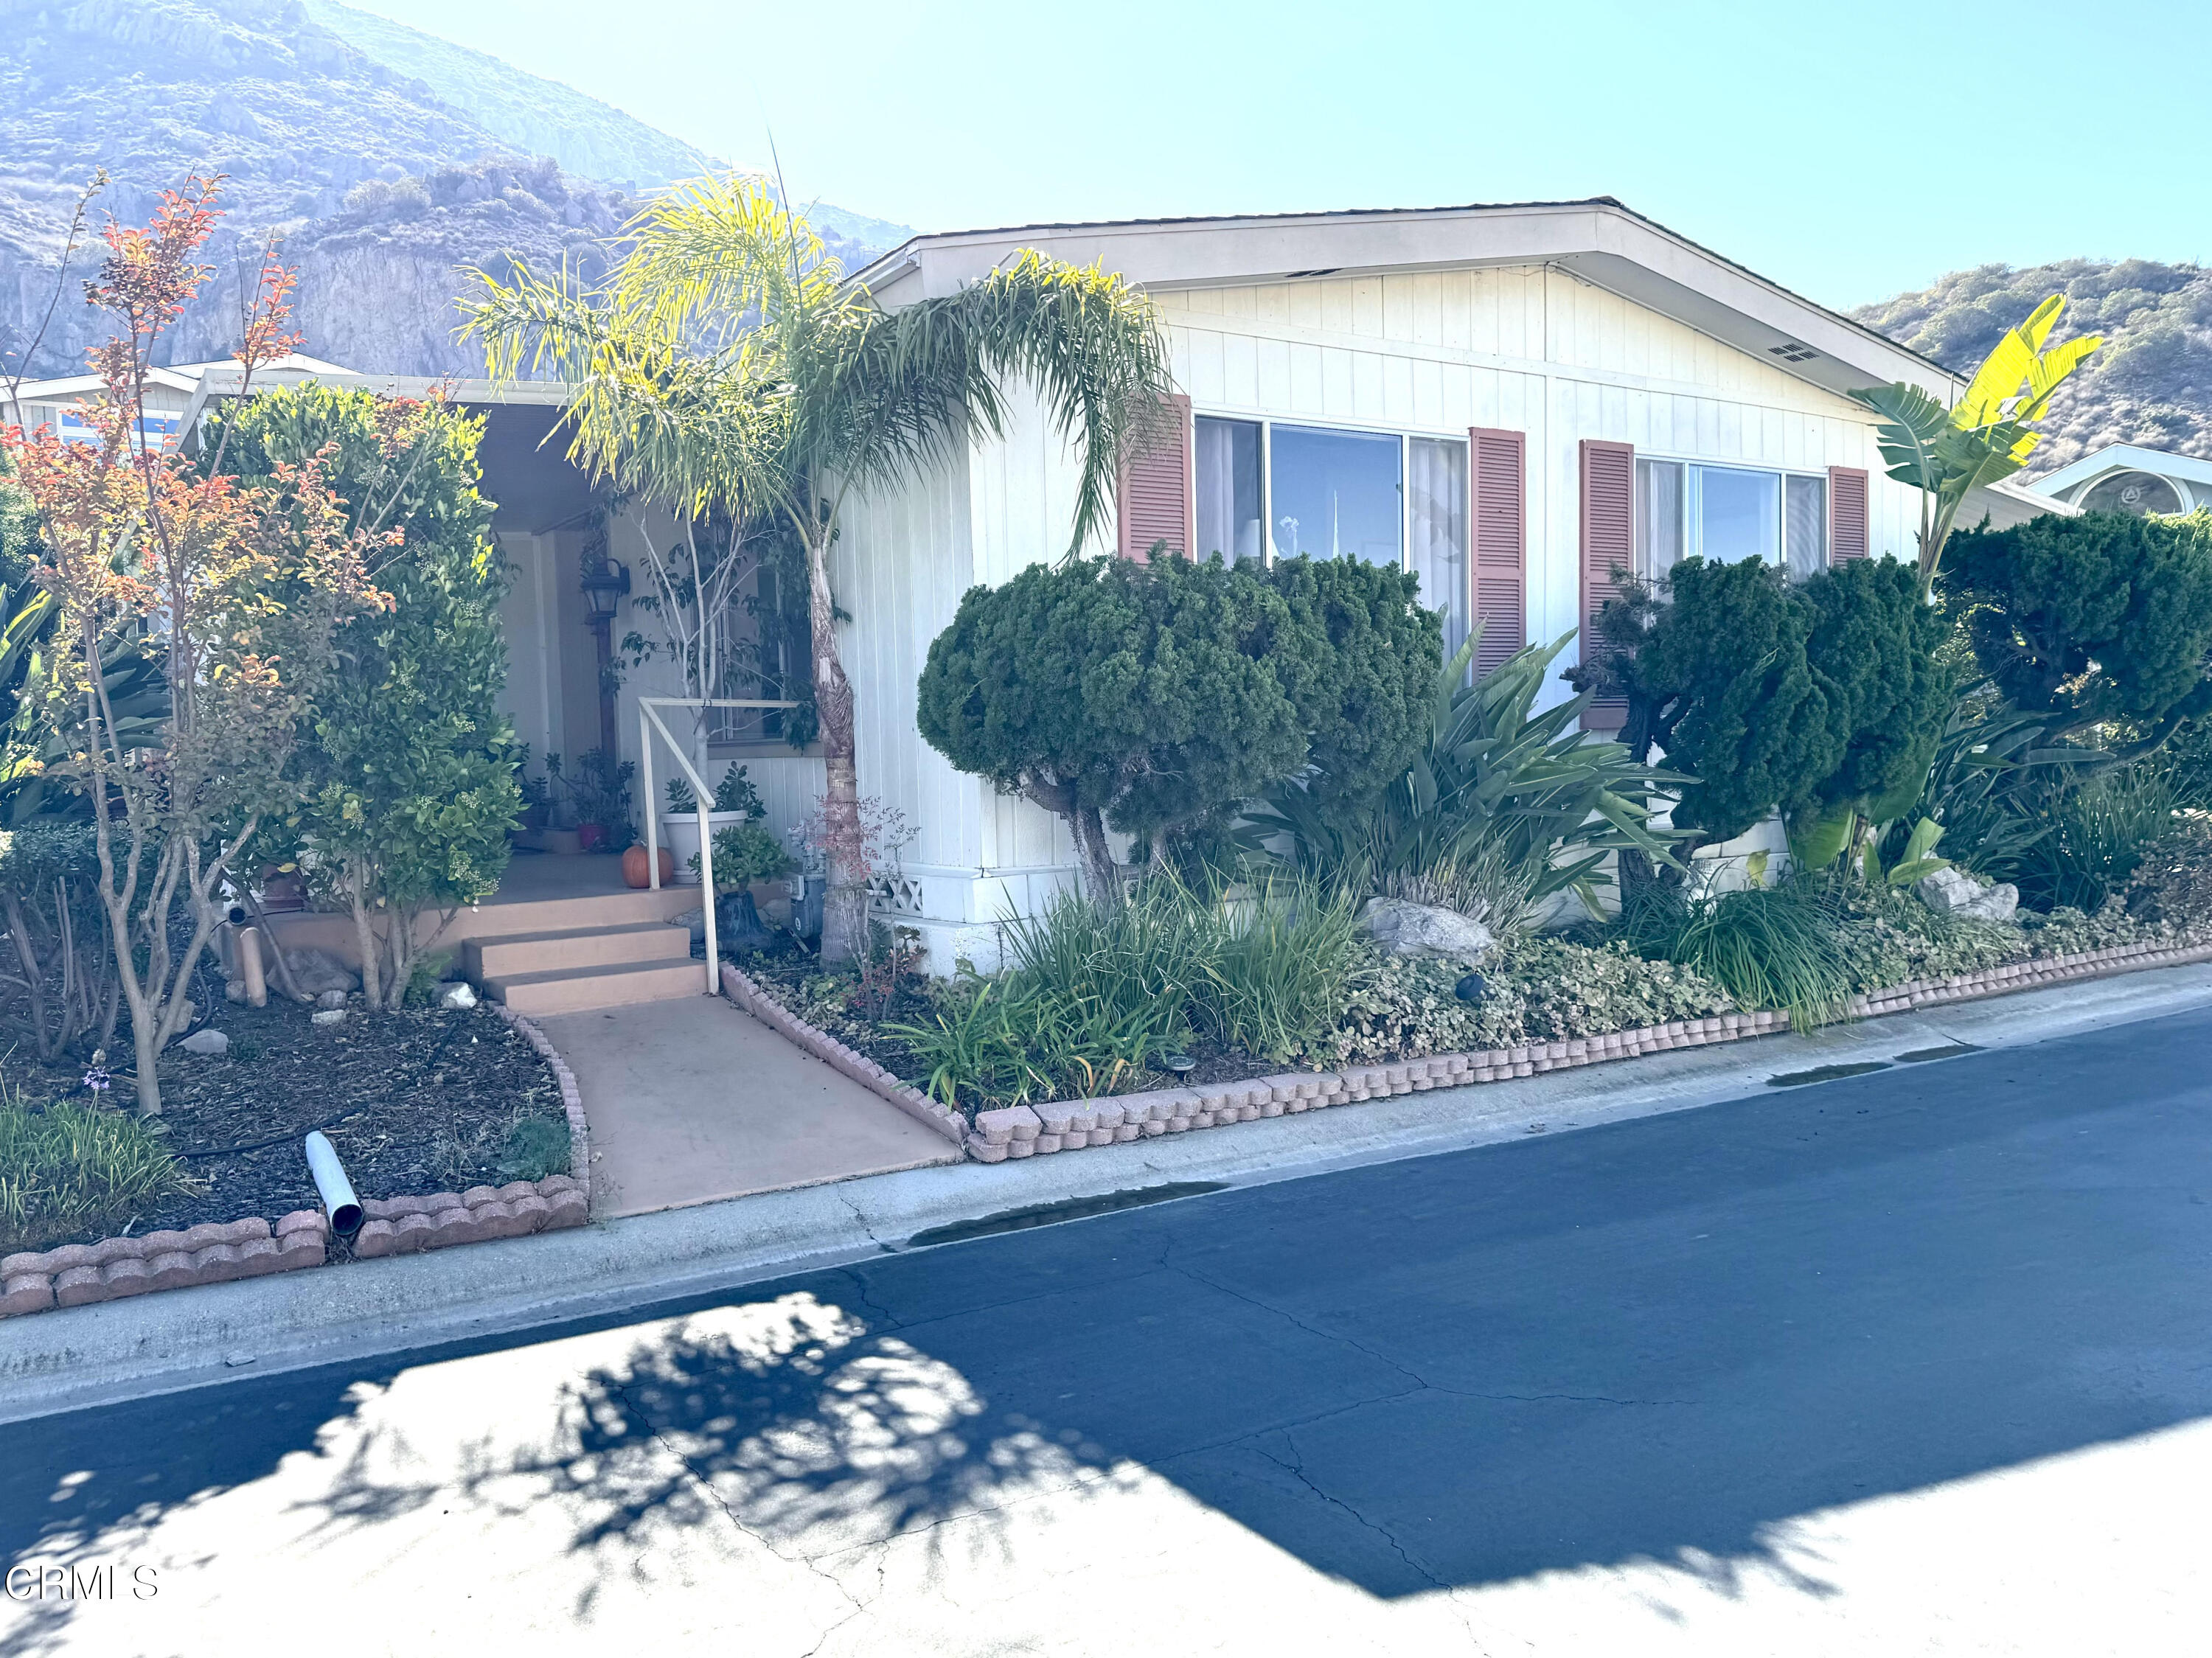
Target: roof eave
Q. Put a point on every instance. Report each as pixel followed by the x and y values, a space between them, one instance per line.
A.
pixel 1599 240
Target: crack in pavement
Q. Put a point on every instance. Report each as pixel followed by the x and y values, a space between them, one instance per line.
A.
pixel 866 1224
pixel 707 1487
pixel 1297 1470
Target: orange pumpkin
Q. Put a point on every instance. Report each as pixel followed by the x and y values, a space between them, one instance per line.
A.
pixel 633 865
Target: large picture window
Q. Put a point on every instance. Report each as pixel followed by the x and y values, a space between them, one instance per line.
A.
pixel 1725 513
pixel 1278 490
pixel 1337 493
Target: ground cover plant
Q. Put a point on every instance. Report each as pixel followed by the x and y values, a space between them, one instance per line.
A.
pixel 72 1167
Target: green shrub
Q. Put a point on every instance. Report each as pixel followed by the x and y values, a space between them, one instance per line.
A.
pixel 1285 958
pixel 2100 829
pixel 1815 697
pixel 1504 806
pixel 746 851
pixel 67 1167
pixel 2065 930
pixel 536 1147
pixel 1123 957
pixel 1008 1042
pixel 1095 995
pixel 1153 698
pixel 1888 937
pixel 2102 618
pixel 2173 883
pixel 1768 947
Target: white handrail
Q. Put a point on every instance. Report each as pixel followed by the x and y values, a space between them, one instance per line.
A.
pixel 649 721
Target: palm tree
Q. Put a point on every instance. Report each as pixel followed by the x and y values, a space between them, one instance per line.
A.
pixel 726 365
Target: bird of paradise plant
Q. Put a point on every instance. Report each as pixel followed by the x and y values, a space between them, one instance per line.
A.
pixel 1987 436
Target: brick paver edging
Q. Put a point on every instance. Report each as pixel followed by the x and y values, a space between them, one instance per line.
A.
pixel 1024 1131
pixel 78 1275
pixel 741 988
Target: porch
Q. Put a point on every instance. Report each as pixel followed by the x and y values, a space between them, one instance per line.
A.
pixel 690 1100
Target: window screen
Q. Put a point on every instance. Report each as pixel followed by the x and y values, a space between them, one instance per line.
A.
pixel 1436 517
pixel 1805 525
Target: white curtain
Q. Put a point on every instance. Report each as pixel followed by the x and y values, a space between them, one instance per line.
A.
pixel 1226 463
pixel 1436 515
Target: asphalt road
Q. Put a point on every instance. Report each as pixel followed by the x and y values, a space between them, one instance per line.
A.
pixel 1914 1362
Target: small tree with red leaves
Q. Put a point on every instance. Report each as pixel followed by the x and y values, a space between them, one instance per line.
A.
pixel 239 590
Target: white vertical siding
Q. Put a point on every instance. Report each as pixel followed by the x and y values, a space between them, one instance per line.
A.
pixel 1532 351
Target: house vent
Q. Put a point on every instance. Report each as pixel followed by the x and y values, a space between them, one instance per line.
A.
pixel 895 894
pixel 1324 270
pixel 1791 351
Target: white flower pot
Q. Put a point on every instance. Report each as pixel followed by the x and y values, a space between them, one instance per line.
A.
pixel 679 832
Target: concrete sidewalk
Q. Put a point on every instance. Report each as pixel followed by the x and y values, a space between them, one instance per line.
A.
pixel 694 1101
pixel 164 1342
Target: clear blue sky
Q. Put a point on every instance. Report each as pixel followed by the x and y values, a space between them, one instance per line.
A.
pixel 1847 151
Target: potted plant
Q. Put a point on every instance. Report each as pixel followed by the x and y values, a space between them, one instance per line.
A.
pixel 746 859
pixel 736 802
pixel 599 794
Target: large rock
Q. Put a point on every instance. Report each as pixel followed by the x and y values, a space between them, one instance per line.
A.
pixel 1952 891
pixel 1404 928
pixel 211 1042
pixel 317 970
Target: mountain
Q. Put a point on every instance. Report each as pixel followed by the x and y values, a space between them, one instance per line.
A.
pixel 384 159
pixel 2151 383
pixel 539 116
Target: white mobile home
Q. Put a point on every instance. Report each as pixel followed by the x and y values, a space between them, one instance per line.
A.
pixel 1509 400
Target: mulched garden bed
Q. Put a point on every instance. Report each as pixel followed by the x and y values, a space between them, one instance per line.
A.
pixel 414 1102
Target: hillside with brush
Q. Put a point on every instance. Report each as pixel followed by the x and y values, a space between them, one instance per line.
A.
pixel 2152 382
pixel 385 160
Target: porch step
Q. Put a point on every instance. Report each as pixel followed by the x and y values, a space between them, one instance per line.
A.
pixel 526 917
pixel 509 955
pixel 583 989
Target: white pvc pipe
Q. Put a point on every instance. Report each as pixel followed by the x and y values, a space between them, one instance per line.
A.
pixel 247 944
pixel 338 1200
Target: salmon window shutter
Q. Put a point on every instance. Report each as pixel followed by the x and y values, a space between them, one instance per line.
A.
pixel 1609 481
pixel 1847 514
pixel 1155 502
pixel 1498 483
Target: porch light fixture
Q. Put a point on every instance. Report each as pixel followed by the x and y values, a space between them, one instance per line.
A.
pixel 603 590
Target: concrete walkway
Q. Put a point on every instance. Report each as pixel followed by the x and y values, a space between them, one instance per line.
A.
pixel 695 1101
